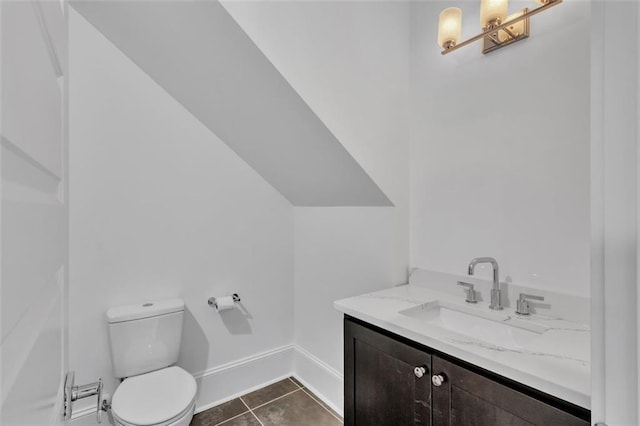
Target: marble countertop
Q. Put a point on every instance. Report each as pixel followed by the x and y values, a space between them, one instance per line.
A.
pixel 556 362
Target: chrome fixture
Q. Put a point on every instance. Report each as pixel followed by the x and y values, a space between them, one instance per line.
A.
pixel 73 393
pixel 496 303
pixel 472 296
pixel 522 306
pixel 498 29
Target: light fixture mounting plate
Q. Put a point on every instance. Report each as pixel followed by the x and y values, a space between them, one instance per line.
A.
pixel 492 41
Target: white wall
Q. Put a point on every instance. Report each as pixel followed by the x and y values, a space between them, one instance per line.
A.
pixel 339 253
pixel 162 208
pixel 224 80
pixel 349 62
pixel 500 150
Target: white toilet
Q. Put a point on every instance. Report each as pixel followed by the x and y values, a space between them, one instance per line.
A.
pixel 145 343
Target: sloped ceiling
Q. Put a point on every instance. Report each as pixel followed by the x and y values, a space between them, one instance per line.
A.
pixel 198 53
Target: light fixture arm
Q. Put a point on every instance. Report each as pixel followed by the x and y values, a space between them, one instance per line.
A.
pixel 503 26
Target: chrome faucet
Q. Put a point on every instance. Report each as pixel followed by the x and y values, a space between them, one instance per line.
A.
pixel 522 306
pixel 472 297
pixel 496 303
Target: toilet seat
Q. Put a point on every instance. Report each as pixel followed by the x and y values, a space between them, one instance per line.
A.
pixel 159 398
pixel 182 420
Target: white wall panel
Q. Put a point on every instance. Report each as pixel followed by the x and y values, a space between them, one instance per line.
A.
pixel 33 211
pixel 614 205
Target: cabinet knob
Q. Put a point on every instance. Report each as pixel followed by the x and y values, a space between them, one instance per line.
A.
pixel 419 371
pixel 438 379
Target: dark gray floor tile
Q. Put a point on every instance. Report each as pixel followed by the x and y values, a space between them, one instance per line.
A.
pixel 294 410
pixel 319 401
pixel 296 381
pixel 219 413
pixel 247 419
pixel 269 393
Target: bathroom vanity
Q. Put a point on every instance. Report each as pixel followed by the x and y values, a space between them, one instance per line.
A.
pixel 420 355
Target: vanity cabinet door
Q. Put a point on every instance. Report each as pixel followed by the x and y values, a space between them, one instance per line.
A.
pixel 381 384
pixel 466 398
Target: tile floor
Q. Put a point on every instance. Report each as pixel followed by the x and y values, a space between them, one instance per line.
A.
pixel 284 403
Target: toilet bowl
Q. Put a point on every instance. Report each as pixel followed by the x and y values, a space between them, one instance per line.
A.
pixel 163 397
pixel 145 343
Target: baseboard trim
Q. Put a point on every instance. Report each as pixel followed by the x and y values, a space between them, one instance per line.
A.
pixel 321 379
pixel 330 370
pixel 335 407
pixel 228 381
pixel 243 361
pixel 206 406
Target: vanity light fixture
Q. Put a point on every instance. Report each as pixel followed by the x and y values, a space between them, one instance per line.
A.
pixel 498 29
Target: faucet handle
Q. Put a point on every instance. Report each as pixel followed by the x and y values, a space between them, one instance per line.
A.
pixel 472 295
pixel 530 296
pixel 522 306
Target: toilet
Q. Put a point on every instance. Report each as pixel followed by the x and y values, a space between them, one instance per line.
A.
pixel 145 343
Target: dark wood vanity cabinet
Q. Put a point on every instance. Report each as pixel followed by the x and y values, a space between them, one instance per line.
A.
pixel 466 398
pixel 382 388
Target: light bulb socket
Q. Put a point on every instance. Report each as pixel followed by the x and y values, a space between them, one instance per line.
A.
pixel 449 44
pixel 492 24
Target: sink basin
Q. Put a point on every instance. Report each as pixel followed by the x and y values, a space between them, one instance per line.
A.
pixel 494 328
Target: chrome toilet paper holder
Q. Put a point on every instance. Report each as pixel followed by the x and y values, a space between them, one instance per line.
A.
pixel 73 393
pixel 212 300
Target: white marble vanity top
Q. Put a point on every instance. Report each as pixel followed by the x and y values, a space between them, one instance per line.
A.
pixel 556 362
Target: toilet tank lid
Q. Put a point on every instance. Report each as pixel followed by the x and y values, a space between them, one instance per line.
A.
pixel 144 310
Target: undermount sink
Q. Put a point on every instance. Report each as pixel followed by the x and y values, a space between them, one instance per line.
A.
pixel 493 327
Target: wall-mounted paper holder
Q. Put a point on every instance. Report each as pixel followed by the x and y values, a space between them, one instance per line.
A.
pixel 73 393
pixel 212 300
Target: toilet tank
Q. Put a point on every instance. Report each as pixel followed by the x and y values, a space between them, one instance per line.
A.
pixel 145 337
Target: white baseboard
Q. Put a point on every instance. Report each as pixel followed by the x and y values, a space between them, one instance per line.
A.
pixel 321 379
pixel 226 382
